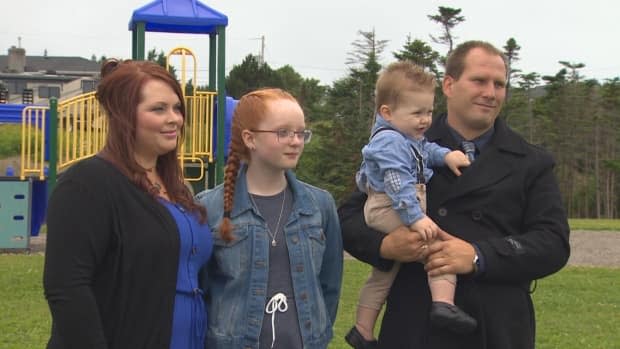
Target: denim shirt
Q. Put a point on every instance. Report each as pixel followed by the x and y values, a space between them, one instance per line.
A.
pixel 389 166
pixel 236 279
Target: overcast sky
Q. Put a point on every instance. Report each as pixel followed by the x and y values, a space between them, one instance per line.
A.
pixel 315 36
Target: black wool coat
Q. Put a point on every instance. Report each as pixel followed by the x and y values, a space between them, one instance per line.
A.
pixel 507 203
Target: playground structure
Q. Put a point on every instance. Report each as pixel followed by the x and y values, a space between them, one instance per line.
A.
pixel 64 132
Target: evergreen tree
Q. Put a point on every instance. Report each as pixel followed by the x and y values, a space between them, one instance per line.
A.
pixel 607 151
pixel 160 58
pixel 448 18
pixel 511 51
pixel 333 163
pixel 568 133
pixel 521 106
pixel 250 75
pixel 420 53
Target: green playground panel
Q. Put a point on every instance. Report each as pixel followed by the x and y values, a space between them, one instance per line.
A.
pixel 15 206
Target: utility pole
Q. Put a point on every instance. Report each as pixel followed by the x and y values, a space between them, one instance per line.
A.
pixel 261 54
pixel 262 49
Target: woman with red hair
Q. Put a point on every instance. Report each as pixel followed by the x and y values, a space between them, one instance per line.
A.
pixel 125 238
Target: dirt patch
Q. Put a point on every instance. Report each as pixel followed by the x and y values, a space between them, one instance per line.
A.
pixel 595 248
pixel 37 243
pixel 588 248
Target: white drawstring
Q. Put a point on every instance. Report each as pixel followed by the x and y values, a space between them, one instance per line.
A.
pixel 276 303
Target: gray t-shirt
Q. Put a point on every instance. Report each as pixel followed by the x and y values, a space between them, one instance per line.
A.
pixel 286 324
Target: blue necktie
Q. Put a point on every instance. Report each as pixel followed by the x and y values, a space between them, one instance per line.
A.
pixel 469 148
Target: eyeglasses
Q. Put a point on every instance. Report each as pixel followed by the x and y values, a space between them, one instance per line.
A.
pixel 285 135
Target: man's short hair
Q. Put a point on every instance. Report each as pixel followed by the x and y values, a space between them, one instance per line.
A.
pixel 398 77
pixel 455 64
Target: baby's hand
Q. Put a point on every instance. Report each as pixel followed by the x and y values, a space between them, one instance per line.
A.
pixel 456 159
pixel 426 227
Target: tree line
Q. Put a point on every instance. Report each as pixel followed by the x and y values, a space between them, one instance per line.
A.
pixel 575 118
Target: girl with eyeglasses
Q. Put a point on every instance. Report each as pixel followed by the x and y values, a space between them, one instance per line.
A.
pixel 275 278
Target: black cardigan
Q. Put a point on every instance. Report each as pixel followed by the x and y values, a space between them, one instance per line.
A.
pixel 110 263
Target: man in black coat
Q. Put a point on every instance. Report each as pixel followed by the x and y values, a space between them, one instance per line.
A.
pixel 504 220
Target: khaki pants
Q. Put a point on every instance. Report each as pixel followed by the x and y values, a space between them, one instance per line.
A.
pixel 380 215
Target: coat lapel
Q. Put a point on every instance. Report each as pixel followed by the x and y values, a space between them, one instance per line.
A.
pixel 489 168
pixel 494 163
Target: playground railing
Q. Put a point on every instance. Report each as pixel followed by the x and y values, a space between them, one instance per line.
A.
pixel 33 141
pixel 82 128
pixel 197 144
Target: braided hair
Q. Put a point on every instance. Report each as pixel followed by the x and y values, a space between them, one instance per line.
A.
pixel 249 113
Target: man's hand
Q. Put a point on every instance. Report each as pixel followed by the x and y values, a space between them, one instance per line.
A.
pixel 450 255
pixel 403 245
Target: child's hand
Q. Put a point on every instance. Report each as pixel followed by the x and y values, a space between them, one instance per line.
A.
pixel 456 159
pixel 426 227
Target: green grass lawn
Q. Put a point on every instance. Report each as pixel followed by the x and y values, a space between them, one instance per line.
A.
pixel 24 320
pixel 594 224
pixel 10 141
pixel 576 308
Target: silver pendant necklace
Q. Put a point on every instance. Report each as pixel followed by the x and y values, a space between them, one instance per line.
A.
pixel 272 235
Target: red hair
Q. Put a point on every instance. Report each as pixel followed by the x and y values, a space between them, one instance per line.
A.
pixel 119 93
pixel 249 113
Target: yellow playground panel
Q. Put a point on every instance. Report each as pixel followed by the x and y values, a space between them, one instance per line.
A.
pixel 33 142
pixel 82 129
pixel 199 107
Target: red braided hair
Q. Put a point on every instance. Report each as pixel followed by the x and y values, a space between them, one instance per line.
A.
pixel 249 113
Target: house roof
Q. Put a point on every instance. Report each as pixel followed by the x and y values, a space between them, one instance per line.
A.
pixel 178 16
pixel 37 77
pixel 66 65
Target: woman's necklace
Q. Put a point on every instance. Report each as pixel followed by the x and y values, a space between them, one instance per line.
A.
pixel 156 184
pixel 272 235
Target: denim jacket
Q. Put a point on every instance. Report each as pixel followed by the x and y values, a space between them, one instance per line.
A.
pixel 390 167
pixel 236 280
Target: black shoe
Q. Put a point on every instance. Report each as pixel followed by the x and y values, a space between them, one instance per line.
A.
pixel 451 317
pixel 357 341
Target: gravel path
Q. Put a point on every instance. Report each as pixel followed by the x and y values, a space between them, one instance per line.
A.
pixel 588 248
pixel 595 248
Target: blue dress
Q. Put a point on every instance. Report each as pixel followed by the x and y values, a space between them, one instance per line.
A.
pixel 189 322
